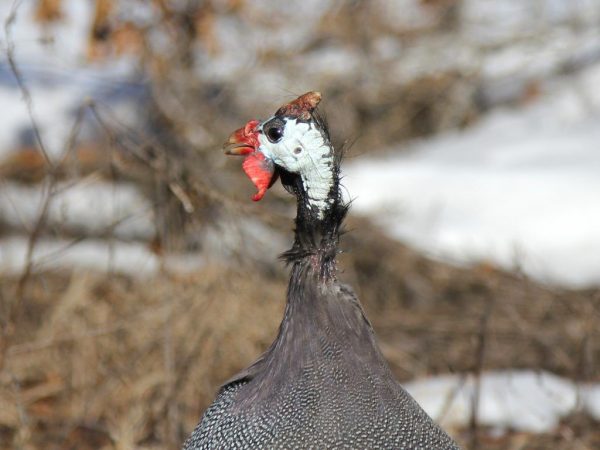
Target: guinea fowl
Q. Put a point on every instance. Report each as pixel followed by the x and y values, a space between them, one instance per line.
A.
pixel 323 383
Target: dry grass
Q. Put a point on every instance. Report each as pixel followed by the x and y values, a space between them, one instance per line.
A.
pixel 108 362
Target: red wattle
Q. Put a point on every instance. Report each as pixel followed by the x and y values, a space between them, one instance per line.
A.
pixel 261 172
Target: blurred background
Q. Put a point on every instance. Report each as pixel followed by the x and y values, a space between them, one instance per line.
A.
pixel 136 275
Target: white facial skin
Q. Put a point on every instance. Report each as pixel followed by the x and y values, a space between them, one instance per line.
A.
pixel 302 150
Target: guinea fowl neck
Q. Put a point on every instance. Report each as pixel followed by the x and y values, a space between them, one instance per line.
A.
pixel 317 229
pixel 322 318
pixel 323 324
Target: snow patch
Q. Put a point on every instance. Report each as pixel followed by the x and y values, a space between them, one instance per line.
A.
pixel 591 400
pixel 122 257
pixel 518 400
pixel 95 208
pixel 520 188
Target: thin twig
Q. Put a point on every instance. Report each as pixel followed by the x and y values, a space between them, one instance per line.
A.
pixel 23 435
pixel 178 191
pixel 10 53
pixel 51 176
pixel 49 191
pixel 47 196
pixel 450 398
pixel 479 361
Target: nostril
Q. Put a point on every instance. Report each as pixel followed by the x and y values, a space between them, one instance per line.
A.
pixel 297 150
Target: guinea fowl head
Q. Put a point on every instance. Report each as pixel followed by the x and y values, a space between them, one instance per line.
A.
pixel 294 145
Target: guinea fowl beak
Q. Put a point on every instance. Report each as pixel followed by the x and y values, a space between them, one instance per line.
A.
pixel 259 168
pixel 242 141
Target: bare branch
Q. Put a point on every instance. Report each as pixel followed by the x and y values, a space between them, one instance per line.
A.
pixel 10 53
pixel 482 340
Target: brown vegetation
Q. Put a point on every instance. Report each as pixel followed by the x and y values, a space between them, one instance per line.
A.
pixel 101 361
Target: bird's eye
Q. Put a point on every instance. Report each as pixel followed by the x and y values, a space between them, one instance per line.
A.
pixel 274 134
pixel 274 130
